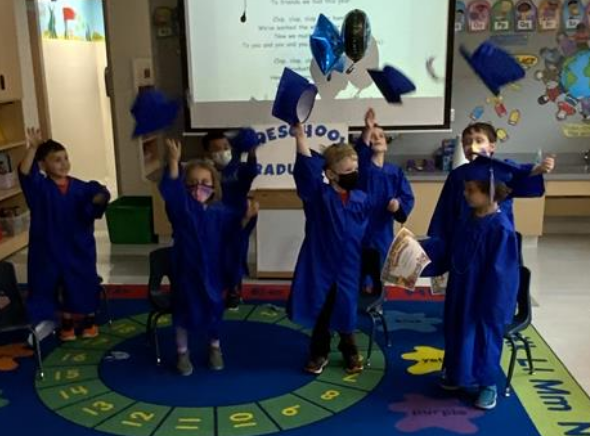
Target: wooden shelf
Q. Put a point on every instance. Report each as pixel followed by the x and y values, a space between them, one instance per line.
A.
pixel 8 145
pixel 11 244
pixel 9 193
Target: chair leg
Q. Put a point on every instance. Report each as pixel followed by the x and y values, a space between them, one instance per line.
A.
pixel 156 341
pixel 37 345
pixel 511 367
pixel 371 338
pixel 385 329
pixel 529 355
pixel 149 328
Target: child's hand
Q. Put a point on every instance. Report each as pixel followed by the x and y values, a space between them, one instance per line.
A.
pixel 393 205
pixel 297 131
pixel 34 138
pixel 99 199
pixel 370 119
pixel 174 150
pixel 547 165
pixel 253 208
pixel 4 301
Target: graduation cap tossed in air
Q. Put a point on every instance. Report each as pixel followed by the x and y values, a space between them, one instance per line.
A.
pixel 392 83
pixel 495 67
pixel 294 99
pixel 245 140
pixel 153 111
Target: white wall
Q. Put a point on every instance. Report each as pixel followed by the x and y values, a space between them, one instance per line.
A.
pixel 129 37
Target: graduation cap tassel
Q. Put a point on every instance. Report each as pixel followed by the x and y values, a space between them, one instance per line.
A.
pixel 492 185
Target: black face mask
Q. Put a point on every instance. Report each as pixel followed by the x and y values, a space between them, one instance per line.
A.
pixel 348 181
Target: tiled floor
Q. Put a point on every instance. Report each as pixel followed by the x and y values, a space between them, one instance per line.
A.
pixel 560 266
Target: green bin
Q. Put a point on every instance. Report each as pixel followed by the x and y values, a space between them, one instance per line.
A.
pixel 130 221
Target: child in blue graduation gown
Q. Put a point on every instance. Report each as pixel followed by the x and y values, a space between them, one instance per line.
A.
pixel 391 197
pixel 62 248
pixel 482 261
pixel 236 181
pixel 480 138
pixel 326 282
pixel 202 225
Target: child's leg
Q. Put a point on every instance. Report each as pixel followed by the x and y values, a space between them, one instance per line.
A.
pixel 215 356
pixel 319 347
pixel 352 359
pixel 183 365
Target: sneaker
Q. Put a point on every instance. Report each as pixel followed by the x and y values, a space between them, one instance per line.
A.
pixel 90 332
pixel 316 365
pixel 354 364
pixel 184 365
pixel 232 301
pixel 215 359
pixel 446 385
pixel 67 335
pixel 486 399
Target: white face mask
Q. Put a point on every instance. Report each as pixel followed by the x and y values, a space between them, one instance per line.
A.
pixel 222 158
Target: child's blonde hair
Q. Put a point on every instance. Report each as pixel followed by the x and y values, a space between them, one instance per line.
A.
pixel 337 152
pixel 215 177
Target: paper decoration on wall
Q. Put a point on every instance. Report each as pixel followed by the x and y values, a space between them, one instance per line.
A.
pixel 581 130
pixel 503 16
pixel 548 15
pixel 587 15
pixel 527 60
pixel 460 17
pixel 502 135
pixel 477 113
pixel 514 117
pixel 165 22
pixel 478 16
pixel 573 14
pixel 582 36
pixel 526 16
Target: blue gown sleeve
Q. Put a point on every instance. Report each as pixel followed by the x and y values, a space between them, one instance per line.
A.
pixel 524 185
pixel 93 211
pixel 437 250
pixel 446 211
pixel 175 196
pixel 31 183
pixel 308 175
pixel 500 287
pixel 405 196
pixel 364 153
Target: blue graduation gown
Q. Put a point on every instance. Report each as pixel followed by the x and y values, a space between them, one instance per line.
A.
pixel 198 255
pixel 331 248
pixel 236 181
pixel 452 206
pixel 62 248
pixel 382 184
pixel 480 301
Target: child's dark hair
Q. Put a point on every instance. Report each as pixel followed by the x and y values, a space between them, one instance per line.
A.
pixel 485 128
pixel 501 191
pixel 213 135
pixel 48 147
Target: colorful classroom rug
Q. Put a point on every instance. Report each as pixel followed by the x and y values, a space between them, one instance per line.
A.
pixel 111 384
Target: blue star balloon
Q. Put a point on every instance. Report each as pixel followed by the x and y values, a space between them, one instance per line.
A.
pixel 327 46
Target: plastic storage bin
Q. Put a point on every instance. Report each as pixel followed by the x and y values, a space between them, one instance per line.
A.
pixel 130 221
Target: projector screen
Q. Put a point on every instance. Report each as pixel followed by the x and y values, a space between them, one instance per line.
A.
pixel 236 51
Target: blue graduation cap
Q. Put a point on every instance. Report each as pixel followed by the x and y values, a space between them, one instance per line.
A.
pixel 392 83
pixel 495 67
pixel 153 111
pixel 486 168
pixel 245 140
pixel 294 99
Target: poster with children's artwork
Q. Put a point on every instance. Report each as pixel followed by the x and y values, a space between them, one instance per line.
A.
pixel 573 14
pixel 478 16
pixel 276 154
pixel 460 17
pixel 526 16
pixel 548 15
pixel 503 16
pixel 77 20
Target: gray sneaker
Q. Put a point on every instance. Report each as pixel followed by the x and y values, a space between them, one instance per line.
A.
pixel 184 365
pixel 215 359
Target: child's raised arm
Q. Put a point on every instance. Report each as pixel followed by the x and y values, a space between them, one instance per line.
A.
pixel 370 123
pixel 251 211
pixel 174 153
pixel 300 140
pixel 545 167
pixel 34 140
